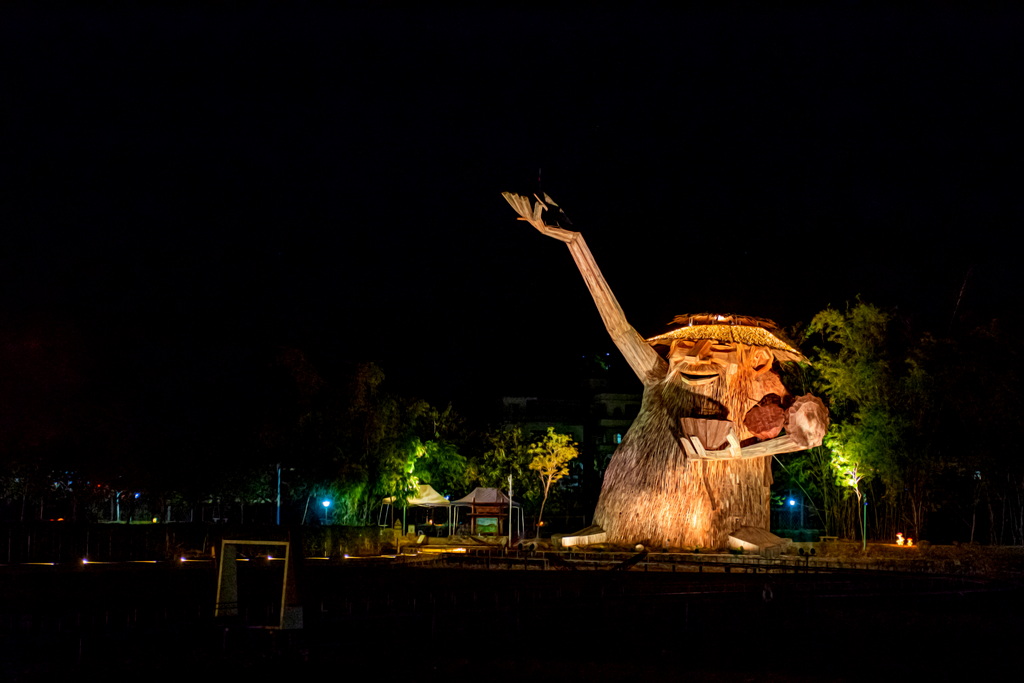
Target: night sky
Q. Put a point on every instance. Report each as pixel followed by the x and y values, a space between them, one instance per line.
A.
pixel 183 192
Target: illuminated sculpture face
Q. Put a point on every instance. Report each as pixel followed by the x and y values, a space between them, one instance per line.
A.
pixel 699 362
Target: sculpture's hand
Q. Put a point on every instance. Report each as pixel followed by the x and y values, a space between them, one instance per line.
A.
pixel 807 421
pixel 534 215
pixel 644 360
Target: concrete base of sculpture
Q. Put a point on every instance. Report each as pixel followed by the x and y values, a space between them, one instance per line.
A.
pixel 758 541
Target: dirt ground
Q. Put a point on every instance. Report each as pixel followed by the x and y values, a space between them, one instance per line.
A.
pixel 439 622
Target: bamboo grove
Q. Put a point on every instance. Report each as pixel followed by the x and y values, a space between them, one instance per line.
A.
pixel 922 426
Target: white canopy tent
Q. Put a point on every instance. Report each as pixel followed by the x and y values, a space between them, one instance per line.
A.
pixel 426 497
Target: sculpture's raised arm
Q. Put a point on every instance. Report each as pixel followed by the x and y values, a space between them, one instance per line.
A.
pixel 646 363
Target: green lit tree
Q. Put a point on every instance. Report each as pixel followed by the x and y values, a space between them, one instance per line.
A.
pixel 505 452
pixel 436 443
pixel 394 443
pixel 551 457
pixel 873 372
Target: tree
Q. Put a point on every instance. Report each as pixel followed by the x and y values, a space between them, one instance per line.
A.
pixel 975 387
pixel 874 374
pixel 437 444
pixel 355 443
pixel 847 466
pixel 921 427
pixel 392 443
pixel 550 461
pixel 505 452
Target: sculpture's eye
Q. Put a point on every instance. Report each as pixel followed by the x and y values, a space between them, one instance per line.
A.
pixel 760 360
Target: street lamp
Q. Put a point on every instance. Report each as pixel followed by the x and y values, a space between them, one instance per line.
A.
pixel 864 527
pixel 326 505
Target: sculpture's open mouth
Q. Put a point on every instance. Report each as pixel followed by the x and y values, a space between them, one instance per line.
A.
pixel 694 378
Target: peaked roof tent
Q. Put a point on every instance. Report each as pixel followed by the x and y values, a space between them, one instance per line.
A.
pixel 484 496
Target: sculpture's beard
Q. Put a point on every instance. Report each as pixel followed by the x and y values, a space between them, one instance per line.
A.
pixel 729 388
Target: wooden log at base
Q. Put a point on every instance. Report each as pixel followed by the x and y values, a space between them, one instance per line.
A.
pixel 758 541
pixel 589 536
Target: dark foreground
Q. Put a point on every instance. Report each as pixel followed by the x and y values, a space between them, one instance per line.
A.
pixel 441 623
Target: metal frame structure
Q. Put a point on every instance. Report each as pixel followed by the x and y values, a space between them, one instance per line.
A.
pixel 227 584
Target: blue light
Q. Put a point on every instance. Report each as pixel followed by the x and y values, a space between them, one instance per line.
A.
pixel 792 502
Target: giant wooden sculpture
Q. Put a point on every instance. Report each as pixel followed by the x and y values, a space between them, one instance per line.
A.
pixel 695 466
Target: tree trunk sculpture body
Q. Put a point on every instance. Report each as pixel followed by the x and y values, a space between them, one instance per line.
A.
pixel 653 492
pixel 695 465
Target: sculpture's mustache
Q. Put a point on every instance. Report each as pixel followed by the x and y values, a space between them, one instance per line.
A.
pixel 700 368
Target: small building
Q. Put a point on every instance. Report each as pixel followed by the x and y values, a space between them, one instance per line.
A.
pixel 486 512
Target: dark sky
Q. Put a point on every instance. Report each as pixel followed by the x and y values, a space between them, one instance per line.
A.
pixel 184 189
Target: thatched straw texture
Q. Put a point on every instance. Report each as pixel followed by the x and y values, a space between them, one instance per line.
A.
pixel 730 328
pixel 653 493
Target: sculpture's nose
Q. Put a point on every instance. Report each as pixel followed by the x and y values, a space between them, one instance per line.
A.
pixel 701 352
